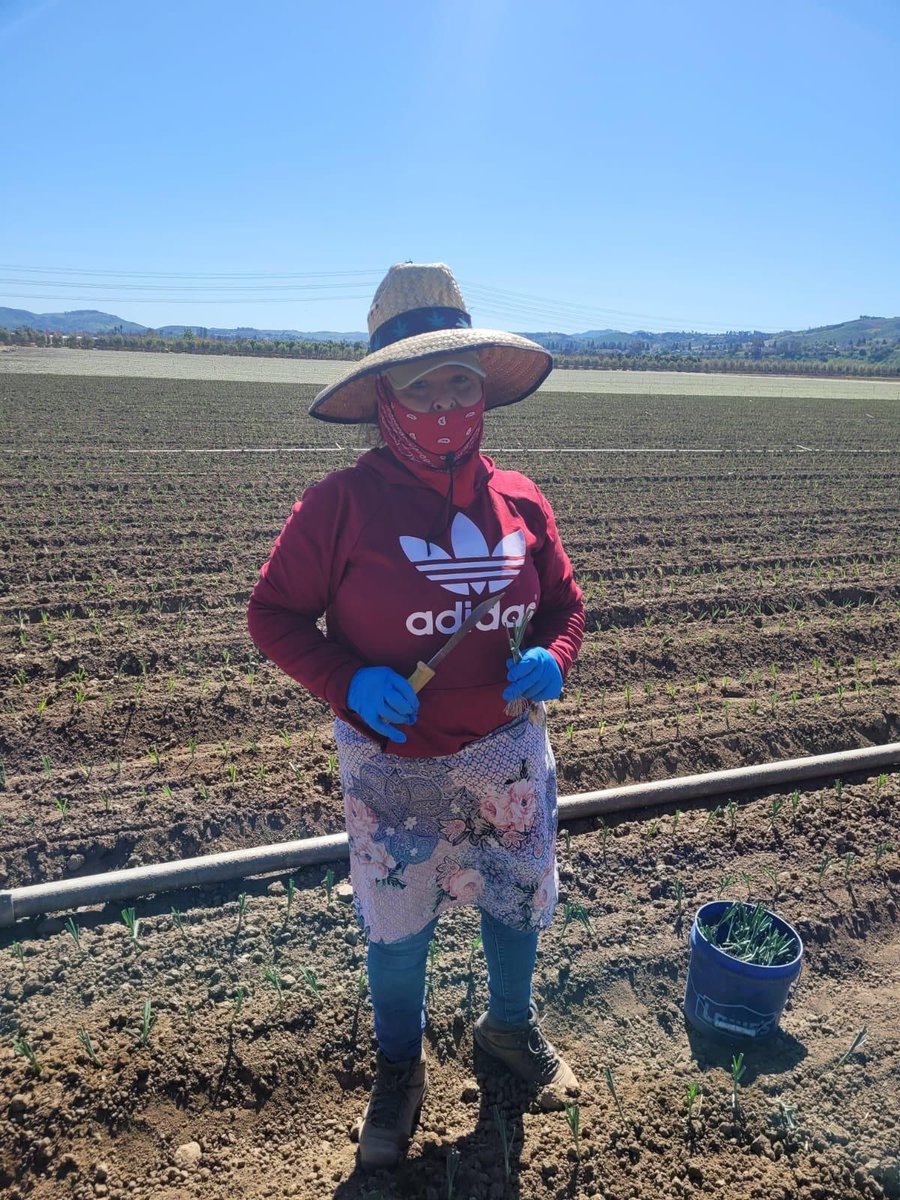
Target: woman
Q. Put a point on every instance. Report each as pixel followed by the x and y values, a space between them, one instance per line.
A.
pixel 450 794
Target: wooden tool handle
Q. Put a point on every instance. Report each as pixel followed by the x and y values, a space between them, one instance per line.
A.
pixel 420 676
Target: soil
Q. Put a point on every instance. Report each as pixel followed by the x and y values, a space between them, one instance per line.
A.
pixel 742 607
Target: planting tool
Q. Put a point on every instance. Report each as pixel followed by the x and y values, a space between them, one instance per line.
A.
pixel 425 671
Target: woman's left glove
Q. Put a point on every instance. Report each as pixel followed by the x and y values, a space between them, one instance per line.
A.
pixel 536 676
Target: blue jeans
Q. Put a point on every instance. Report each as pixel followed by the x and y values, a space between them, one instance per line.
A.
pixel 397 983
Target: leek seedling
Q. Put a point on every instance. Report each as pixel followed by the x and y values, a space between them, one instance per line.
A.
pixel 148 1020
pixel 610 1083
pixel 362 985
pixel 85 1038
pixel 291 892
pixel 74 932
pixel 795 803
pixel 328 884
pixel 242 902
pixel 154 756
pixel 573 1120
pixel 270 974
pixel 23 1047
pixel 858 1040
pixel 515 636
pixel 694 1095
pixel 62 803
pixel 18 950
pixel 452 1168
pixel 775 808
pixel 178 918
pixel 676 817
pixel 575 912
pixel 568 840
pixel 240 995
pixel 474 946
pixel 849 860
pixel 881 849
pixel 505 1139
pixel 748 934
pixel 133 924
pixel 731 813
pixel 679 895
pixel 737 1072
pixel 310 980
pixel 827 860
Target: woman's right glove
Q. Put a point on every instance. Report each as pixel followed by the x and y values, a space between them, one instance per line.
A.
pixel 383 699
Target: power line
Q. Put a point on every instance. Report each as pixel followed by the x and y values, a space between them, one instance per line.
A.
pixel 510 307
pixel 374 272
pixel 158 287
pixel 179 300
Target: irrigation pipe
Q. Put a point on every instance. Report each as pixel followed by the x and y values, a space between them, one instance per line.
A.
pixel 261 860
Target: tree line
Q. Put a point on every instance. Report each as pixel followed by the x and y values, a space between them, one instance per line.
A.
pixel 190 342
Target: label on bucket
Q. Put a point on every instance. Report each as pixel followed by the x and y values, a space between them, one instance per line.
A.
pixel 734 1018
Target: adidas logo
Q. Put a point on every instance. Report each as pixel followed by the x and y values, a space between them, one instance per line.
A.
pixel 425 623
pixel 472 567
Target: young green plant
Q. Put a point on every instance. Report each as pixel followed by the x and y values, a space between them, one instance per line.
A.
pixel 505 1137
pixel 573 1120
pixel 23 1047
pixel 148 1020
pixel 737 1073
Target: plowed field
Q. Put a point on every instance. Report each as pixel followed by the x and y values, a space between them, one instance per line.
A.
pixel 739 555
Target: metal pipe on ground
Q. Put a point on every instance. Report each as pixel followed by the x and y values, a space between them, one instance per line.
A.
pixel 39 898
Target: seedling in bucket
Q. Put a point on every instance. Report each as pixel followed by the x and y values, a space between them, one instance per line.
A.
pixel 748 935
pixel 742 965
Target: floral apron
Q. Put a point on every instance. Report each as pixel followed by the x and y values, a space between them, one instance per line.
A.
pixel 475 827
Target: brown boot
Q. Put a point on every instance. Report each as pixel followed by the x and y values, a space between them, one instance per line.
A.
pixel 393 1109
pixel 528 1054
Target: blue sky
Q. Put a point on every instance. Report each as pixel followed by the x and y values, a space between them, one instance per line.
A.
pixel 579 164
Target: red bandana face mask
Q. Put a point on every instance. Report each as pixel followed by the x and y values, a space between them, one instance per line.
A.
pixel 440 432
pixel 428 437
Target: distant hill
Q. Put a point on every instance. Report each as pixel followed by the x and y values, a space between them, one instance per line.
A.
pixel 822 340
pixel 85 320
pixel 846 334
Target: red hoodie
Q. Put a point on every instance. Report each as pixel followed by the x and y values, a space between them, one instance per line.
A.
pixel 355 549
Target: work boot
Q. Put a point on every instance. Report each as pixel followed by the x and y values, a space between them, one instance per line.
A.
pixel 392 1111
pixel 528 1054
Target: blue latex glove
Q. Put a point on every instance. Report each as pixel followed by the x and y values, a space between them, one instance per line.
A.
pixel 536 676
pixel 383 699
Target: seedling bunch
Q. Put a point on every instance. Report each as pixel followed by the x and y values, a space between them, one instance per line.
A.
pixel 515 708
pixel 749 935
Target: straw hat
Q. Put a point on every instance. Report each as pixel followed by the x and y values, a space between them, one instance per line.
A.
pixel 418 311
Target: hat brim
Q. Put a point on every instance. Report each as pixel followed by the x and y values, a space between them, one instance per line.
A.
pixel 514 367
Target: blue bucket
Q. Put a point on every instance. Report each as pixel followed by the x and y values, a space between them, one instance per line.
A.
pixel 726 997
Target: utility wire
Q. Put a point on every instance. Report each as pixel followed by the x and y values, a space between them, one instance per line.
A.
pixel 510 307
pixel 179 300
pixel 375 273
